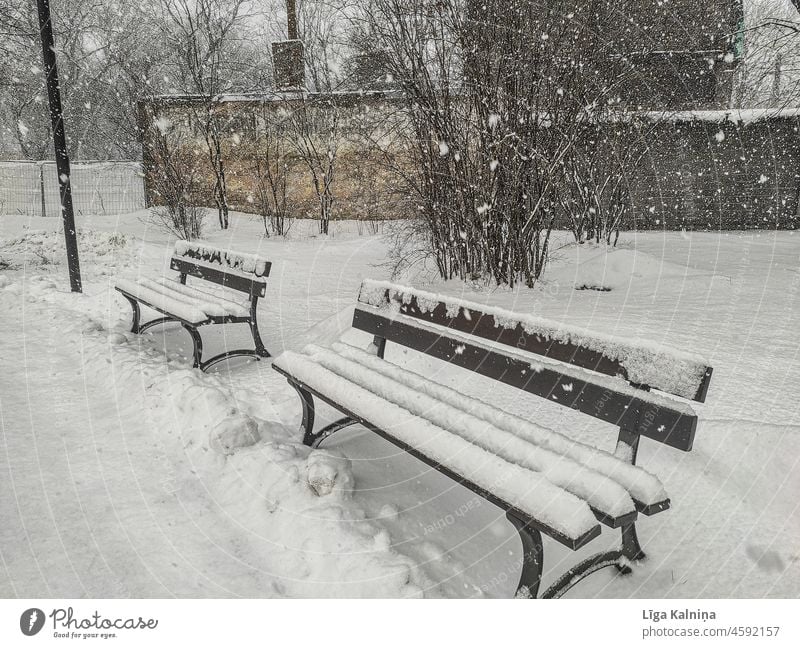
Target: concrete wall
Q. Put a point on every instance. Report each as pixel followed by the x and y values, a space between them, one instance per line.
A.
pixel 707 174
pixel 704 170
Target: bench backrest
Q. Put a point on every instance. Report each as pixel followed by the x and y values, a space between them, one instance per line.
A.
pixel 603 396
pixel 243 272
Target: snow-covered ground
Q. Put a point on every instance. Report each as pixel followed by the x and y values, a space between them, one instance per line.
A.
pixel 125 473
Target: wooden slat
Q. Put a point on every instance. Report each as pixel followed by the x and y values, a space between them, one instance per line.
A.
pixel 210 319
pixel 252 287
pixel 669 426
pixel 483 325
pixel 608 520
pixel 572 543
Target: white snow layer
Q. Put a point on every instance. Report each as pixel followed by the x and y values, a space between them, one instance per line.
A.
pixel 185 302
pixel 734 116
pixel 201 251
pixel 524 489
pixel 642 486
pixel 646 363
pixel 420 399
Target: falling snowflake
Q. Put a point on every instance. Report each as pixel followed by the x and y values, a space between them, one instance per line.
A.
pixel 163 124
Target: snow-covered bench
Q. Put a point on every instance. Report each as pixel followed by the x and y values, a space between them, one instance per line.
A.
pixel 193 307
pixel 545 481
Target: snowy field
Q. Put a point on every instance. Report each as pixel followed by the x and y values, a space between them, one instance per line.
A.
pixel 115 477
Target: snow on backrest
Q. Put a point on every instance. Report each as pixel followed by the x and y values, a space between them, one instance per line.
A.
pixel 641 362
pixel 227 260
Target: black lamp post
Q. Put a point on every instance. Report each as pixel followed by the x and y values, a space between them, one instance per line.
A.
pixel 60 143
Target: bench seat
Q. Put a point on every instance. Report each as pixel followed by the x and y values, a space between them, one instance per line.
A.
pixel 185 303
pixel 645 489
pixel 562 494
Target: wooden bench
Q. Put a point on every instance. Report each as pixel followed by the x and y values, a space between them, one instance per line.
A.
pixel 545 481
pixel 193 307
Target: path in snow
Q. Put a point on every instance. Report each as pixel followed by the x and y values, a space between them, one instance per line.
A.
pixel 89 501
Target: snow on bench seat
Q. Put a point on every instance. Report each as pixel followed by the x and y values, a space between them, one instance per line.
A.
pixel 183 302
pixel 602 493
pixel 644 362
pixel 529 491
pixel 643 487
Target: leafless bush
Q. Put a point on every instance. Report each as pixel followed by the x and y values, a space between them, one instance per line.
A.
pixel 499 94
pixel 271 197
pixel 369 226
pixel 595 193
pixel 312 128
pixel 175 183
pixel 270 172
pixel 208 36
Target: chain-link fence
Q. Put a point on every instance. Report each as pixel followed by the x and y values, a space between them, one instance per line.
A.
pixel 98 188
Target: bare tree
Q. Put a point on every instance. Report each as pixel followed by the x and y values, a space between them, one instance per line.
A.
pixel 175 181
pixel 108 59
pixel 206 35
pixel 313 129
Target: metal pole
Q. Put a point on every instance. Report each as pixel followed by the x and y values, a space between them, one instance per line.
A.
pixel 60 143
pixel 41 189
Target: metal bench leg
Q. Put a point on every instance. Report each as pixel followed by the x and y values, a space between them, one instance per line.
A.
pixel 580 571
pixel 629 551
pixel 532 558
pixel 137 314
pixel 137 326
pixel 627 449
pixel 261 350
pixel 377 347
pixel 627 446
pixel 307 424
pixel 329 429
pixel 197 345
pixel 155 322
